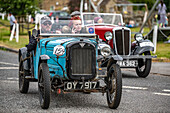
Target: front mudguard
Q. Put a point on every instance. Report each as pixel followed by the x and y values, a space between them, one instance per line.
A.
pixel 43 58
pixel 23 52
pixel 139 50
pixel 112 60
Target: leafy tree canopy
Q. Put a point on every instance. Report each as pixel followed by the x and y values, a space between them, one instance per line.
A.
pixel 19 7
pixel 74 5
pixel 150 3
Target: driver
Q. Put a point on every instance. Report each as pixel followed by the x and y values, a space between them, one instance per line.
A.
pixel 98 20
pixel 46 24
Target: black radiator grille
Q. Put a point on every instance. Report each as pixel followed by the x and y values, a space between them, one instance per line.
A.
pixel 122 38
pixel 81 61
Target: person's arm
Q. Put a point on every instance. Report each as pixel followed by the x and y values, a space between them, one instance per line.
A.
pixel 165 7
pixel 32 44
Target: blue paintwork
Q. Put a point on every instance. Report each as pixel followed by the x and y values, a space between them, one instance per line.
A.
pixel 53 66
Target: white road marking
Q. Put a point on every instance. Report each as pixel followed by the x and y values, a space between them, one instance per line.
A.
pixel 12 78
pixel 8 81
pixel 128 90
pixel 9 67
pixel 166 90
pixel 9 63
pixel 164 94
pixel 131 87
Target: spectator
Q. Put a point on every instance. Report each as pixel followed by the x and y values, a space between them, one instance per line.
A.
pixel 166 23
pixel 161 13
pixel 12 22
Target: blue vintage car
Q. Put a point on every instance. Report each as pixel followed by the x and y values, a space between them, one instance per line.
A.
pixel 67 59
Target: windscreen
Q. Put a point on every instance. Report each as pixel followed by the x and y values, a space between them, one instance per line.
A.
pixel 102 18
pixel 64 27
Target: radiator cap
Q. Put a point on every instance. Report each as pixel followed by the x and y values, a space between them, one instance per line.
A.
pixel 81 39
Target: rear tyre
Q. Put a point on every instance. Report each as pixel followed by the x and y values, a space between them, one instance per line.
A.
pixel 44 86
pixel 144 66
pixel 23 83
pixel 114 84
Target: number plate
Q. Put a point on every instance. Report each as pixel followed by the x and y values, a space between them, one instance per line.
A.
pixel 143 44
pixel 79 85
pixel 128 63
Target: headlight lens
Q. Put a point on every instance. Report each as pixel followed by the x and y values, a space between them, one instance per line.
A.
pixel 104 49
pixel 108 35
pixel 138 36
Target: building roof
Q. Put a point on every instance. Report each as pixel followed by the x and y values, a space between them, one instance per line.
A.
pixel 123 2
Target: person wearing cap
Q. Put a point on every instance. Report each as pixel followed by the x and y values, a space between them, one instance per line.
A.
pixel 98 20
pixel 75 13
pixel 12 21
pixel 46 24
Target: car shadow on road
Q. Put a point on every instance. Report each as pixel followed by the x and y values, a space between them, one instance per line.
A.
pixel 79 101
pixel 128 75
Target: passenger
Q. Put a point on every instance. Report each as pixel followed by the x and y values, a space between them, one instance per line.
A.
pixel 66 30
pixel 98 20
pixel 75 25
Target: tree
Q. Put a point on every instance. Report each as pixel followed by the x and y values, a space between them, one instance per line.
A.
pixel 167 3
pixel 19 7
pixel 149 3
pixel 74 5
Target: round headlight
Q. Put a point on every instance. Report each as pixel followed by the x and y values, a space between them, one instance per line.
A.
pixel 108 35
pixel 138 36
pixel 104 49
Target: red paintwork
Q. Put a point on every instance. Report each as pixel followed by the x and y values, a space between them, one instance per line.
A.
pixel 101 30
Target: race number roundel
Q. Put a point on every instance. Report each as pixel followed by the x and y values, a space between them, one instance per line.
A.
pixel 59 50
pixel 91 30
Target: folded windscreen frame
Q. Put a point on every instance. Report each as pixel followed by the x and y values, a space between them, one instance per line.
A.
pixel 102 19
pixel 66 27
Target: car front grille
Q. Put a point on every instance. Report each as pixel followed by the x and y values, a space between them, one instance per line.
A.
pixel 122 41
pixel 81 61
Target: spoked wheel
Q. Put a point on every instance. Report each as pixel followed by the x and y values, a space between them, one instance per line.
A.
pixel 114 82
pixel 144 66
pixel 23 83
pixel 44 86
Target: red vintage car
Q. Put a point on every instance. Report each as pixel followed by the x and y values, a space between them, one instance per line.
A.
pixel 110 28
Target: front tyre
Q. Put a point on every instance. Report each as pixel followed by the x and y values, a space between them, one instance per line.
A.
pixel 144 66
pixel 44 86
pixel 114 84
pixel 23 83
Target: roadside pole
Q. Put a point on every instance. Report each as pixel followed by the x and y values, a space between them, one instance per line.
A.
pixel 155 32
pixel 15 27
